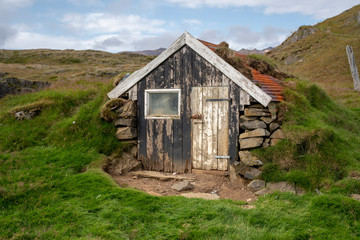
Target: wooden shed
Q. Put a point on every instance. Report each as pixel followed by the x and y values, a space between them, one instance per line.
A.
pixel 188 108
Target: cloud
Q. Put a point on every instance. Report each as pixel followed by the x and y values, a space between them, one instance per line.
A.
pixel 109 43
pixel 192 21
pixel 319 9
pixel 243 37
pixel 6 33
pixel 155 42
pixel 98 23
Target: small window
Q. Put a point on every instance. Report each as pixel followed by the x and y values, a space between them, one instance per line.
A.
pixel 162 103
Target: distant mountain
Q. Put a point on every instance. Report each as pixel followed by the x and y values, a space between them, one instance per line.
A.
pixel 255 51
pixel 148 52
pixel 317 53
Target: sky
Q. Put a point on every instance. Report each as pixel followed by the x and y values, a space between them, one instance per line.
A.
pixel 125 25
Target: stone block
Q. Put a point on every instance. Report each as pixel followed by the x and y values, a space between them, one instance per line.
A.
pixel 278 134
pixel 248 143
pixel 273 126
pixel 182 186
pixel 256 185
pixel 260 132
pixel 255 112
pixel 244 118
pixel 126 133
pixel 267 120
pixel 127 110
pixel 266 143
pixel 252 173
pixel 248 159
pixel 250 125
pixel 125 122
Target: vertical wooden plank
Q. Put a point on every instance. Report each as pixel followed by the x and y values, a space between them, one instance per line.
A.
pixel 150 144
pixel 196 128
pixel 158 146
pixel 141 124
pixel 234 115
pixel 223 129
pixel 207 130
pixel 159 76
pixel 133 93
pixel 196 69
pixel 168 145
pixel 213 151
pixel 186 111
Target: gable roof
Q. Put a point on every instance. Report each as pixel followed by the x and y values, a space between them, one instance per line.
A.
pixel 186 39
pixel 268 84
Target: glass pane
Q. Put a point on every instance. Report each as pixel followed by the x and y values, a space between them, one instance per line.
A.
pixel 163 103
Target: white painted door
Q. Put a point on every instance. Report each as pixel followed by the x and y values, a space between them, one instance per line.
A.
pixel 210 128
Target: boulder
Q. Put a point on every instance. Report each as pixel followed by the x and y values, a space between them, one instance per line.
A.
pixel 267 120
pixel 248 159
pixel 248 143
pixel 21 115
pixel 260 132
pixel 250 125
pixel 256 112
pixel 127 110
pixel 126 133
pixel 121 165
pixel 273 126
pixel 182 186
pixel 278 134
pixel 266 143
pixel 256 185
pixel 240 168
pixel 252 173
pixel 125 122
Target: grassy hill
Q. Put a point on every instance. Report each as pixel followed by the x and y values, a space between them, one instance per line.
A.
pixel 317 53
pixel 52 185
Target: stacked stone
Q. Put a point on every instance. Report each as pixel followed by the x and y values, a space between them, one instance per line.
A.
pixel 260 126
pixel 126 122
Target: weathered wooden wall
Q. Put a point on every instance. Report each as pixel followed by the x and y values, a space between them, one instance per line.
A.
pixel 165 144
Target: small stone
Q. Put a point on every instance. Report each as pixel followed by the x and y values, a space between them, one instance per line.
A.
pixel 260 132
pixel 251 142
pixel 252 173
pixel 125 133
pixel 182 186
pixel 240 168
pixel 125 122
pixel 266 143
pixel 248 159
pixel 273 126
pixel 256 185
pixel 355 196
pixel 244 118
pixel 250 125
pixel 262 192
pixel 255 112
pixel 278 134
pixel 267 120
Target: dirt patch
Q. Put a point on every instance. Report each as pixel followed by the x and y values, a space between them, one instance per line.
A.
pixel 212 182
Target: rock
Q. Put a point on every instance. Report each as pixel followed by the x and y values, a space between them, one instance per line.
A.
pixel 244 118
pixel 273 126
pixel 125 122
pixel 249 125
pixel 272 110
pixel 235 179
pixel 266 143
pixel 182 186
pixel 125 133
pixel 255 112
pixel 251 142
pixel 128 110
pixel 248 159
pixel 240 168
pixel 252 173
pixel 260 132
pixel 134 151
pixel 281 187
pixel 267 120
pixel 121 165
pixel 206 196
pixel 355 196
pixel 256 185
pixel 263 192
pixel 278 134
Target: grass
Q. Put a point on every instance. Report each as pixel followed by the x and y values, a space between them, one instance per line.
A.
pixel 52 185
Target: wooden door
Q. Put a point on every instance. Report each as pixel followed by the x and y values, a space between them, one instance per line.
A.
pixel 210 128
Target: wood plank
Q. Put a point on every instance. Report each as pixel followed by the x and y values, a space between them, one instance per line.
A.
pixel 177 146
pixel 196 127
pixel 123 86
pixel 234 116
pixel 133 93
pixel 244 99
pixel 223 129
pixel 150 144
pixel 213 151
pixel 141 125
pixel 168 145
pixel 158 136
pixel 207 150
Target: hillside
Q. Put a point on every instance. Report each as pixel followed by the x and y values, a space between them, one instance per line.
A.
pixel 317 53
pixel 52 185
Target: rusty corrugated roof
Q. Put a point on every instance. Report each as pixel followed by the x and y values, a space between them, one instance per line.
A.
pixel 267 83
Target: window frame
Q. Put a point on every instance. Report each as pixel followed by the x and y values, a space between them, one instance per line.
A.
pixel 147 101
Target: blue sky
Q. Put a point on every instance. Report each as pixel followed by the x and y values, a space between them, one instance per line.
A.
pixel 122 25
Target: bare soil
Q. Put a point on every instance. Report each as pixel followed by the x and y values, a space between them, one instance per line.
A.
pixel 215 182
